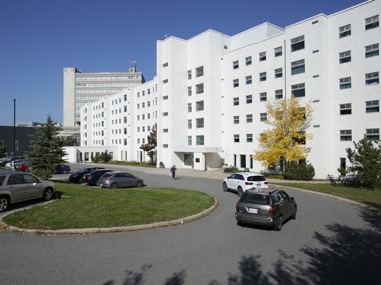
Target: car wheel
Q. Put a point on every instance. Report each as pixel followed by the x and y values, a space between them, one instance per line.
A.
pixel 114 185
pixel 240 191
pixel 48 194
pixel 139 184
pixel 279 224
pixel 224 187
pixel 4 203
pixel 239 223
pixel 294 214
pixel 64 172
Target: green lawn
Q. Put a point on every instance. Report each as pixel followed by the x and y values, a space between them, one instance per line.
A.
pixel 368 197
pixel 92 207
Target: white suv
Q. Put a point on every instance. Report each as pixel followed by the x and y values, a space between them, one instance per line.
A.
pixel 242 181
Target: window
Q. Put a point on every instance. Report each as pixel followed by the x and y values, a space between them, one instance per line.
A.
pixel 345 56
pixel 263 96
pixel 165 114
pixel 345 135
pixel 249 138
pixel 345 31
pixel 189 74
pixel 199 71
pixel 249 99
pixel 189 107
pixel 249 118
pixel 189 123
pixel 165 81
pixel 298 90
pixel 297 67
pixel 279 94
pixel 200 88
pixel 165 64
pixel 346 109
pixel 262 56
pixel 189 90
pixel 372 134
pixel 278 51
pixel 248 60
pixel 235 101
pixel 199 105
pixel 189 140
pixel 372 106
pixel 278 72
pixel 345 83
pixel 199 140
pixel 236 138
pixel 235 82
pixel 235 64
pixel 371 23
pixel 236 119
pixel 262 76
pixel 165 130
pixel 297 43
pixel 371 50
pixel 263 117
pixel 371 78
pixel 248 80
pixel 199 123
pixel 165 97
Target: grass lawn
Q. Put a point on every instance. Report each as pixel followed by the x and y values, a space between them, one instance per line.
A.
pixel 92 207
pixel 368 197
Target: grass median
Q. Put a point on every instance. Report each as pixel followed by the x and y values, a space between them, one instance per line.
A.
pixel 369 197
pixel 93 207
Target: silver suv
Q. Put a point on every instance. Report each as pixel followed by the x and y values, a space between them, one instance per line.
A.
pixel 242 181
pixel 265 208
pixel 20 186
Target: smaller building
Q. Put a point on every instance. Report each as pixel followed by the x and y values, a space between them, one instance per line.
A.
pixel 24 136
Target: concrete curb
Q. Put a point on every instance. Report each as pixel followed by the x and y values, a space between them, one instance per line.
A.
pixel 180 221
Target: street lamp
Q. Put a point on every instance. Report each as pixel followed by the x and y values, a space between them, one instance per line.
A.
pixel 14 133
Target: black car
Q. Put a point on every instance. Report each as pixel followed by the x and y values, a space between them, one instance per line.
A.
pixel 77 177
pixel 92 178
pixel 265 208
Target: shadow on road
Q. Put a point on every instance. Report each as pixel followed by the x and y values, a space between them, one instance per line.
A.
pixel 348 256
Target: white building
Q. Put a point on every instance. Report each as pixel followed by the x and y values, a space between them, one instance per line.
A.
pixel 210 94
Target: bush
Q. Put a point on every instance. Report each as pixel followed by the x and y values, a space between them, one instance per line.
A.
pixel 299 171
pixel 231 169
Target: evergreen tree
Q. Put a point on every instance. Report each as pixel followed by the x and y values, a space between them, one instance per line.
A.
pixel 151 144
pixel 366 162
pixel 46 152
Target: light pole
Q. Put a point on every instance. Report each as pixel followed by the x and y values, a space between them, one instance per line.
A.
pixel 14 133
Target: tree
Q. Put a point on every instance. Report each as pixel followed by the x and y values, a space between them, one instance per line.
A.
pixel 285 140
pixel 151 144
pixel 46 152
pixel 366 162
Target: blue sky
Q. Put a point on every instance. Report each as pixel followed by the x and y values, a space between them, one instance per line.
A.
pixel 38 38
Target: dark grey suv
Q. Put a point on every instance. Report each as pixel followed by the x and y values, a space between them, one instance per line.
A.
pixel 265 208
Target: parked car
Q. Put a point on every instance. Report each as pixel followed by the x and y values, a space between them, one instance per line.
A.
pixel 77 176
pixel 258 207
pixel 63 169
pixel 22 166
pixel 120 179
pixel 18 186
pixel 92 178
pixel 241 181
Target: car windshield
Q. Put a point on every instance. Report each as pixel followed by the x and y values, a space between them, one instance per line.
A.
pixel 256 199
pixel 2 178
pixel 82 170
pixel 256 178
pixel 106 175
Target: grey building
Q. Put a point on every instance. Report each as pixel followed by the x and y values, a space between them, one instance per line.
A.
pixel 24 136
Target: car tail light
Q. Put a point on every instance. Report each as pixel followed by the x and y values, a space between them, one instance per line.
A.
pixel 272 210
pixel 108 178
pixel 89 177
pixel 249 183
pixel 266 182
pixel 236 207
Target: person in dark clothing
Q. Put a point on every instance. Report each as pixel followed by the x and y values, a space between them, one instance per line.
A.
pixel 173 171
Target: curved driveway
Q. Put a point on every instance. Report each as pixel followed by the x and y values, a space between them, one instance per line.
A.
pixel 330 242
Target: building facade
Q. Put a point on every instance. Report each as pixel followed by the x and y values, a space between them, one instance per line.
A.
pixel 210 93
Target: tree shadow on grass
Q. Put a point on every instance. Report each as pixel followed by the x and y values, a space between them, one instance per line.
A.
pixel 348 256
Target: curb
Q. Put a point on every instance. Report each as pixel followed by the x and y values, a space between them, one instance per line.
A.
pixel 180 221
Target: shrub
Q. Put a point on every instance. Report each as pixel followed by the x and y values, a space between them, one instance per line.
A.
pixel 231 169
pixel 299 171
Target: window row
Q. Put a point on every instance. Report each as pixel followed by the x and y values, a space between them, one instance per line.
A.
pixel 370 79
pixel 370 51
pixel 199 71
pixel 372 106
pixel 370 134
pixel 370 23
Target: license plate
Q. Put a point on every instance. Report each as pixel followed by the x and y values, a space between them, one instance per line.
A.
pixel 259 185
pixel 252 211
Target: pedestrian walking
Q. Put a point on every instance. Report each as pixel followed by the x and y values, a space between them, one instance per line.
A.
pixel 173 171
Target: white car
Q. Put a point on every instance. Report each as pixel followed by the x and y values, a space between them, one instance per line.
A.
pixel 242 181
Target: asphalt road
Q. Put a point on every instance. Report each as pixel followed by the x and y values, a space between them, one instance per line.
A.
pixel 330 242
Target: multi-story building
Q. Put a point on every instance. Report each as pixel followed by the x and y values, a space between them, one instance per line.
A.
pixel 81 88
pixel 211 91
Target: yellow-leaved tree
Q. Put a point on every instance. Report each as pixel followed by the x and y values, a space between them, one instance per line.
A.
pixel 285 139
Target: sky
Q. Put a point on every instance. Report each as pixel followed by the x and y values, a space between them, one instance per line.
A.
pixel 38 38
